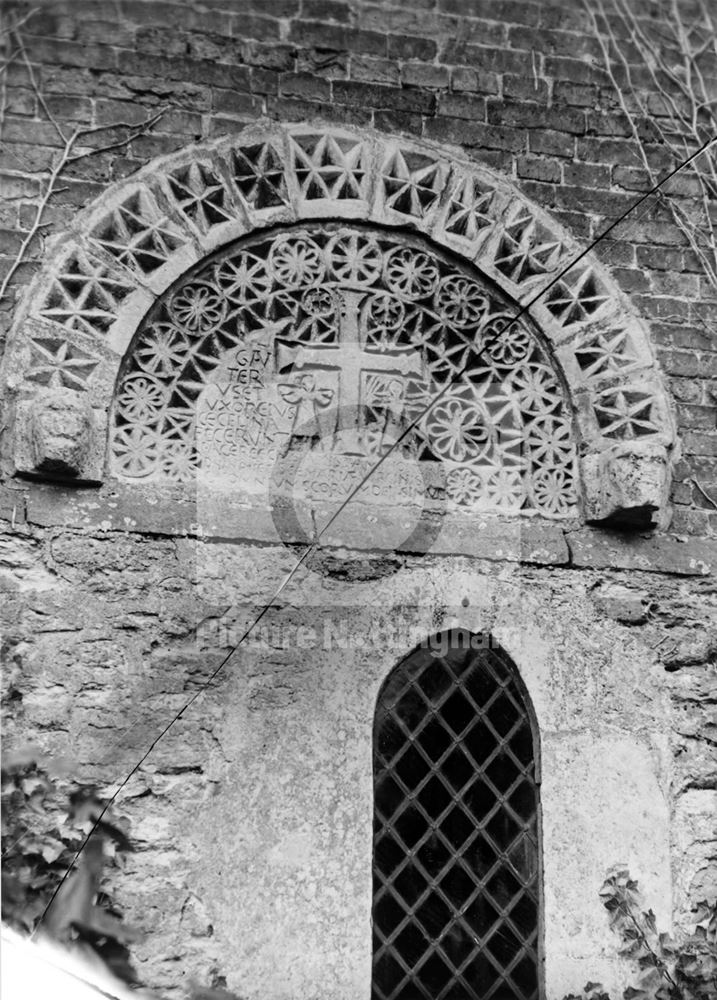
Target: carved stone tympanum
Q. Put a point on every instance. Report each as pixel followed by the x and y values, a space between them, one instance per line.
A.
pixel 344 334
pixel 308 281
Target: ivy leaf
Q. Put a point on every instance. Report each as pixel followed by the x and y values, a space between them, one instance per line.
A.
pixel 117 835
pixel 85 806
pixel 218 993
pixel 667 943
pixel 73 903
pixel 52 850
pixel 649 961
pixel 634 994
pixel 32 784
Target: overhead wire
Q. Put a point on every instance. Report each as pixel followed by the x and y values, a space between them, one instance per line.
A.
pixel 314 543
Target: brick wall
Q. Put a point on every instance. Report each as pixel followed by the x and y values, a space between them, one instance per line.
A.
pixel 519 84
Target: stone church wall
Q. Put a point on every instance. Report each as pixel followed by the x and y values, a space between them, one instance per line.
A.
pixel 520 86
pixel 113 612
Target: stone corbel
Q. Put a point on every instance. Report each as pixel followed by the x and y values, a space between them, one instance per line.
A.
pixel 60 437
pixel 627 485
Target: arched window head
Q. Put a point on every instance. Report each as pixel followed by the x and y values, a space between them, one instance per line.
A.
pixel 273 258
pixel 457 895
pixel 342 334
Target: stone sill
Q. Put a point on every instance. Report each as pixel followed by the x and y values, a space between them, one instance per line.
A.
pixel 526 540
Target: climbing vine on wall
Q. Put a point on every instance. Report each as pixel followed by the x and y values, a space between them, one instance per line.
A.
pixel 662 62
pixel 45 819
pixel 668 968
pixel 77 144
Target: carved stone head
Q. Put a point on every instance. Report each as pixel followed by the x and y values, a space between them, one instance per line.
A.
pixel 628 485
pixel 61 424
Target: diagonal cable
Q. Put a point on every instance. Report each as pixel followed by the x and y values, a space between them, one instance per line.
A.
pixel 521 312
pixel 313 545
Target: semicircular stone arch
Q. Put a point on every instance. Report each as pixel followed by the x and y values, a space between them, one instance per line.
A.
pixel 134 263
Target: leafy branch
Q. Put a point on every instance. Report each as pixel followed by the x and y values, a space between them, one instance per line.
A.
pixel 45 818
pixel 43 821
pixel 591 991
pixel 641 942
pixel 669 968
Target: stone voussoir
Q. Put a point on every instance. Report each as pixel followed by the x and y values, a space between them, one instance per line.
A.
pixel 194 200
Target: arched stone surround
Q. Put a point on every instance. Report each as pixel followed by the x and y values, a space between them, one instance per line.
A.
pixel 99 280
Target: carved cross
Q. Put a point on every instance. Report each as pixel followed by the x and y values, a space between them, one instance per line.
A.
pixel 351 361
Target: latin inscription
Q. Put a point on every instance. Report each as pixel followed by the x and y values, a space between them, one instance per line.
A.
pixel 260 431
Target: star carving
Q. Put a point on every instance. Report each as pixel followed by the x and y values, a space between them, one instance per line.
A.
pixel 200 195
pixel 526 249
pixel 412 183
pixel 84 295
pixel 575 302
pixel 59 364
pixel 328 167
pixel 468 209
pixel 625 412
pixel 136 235
pixel 259 175
pixel 605 353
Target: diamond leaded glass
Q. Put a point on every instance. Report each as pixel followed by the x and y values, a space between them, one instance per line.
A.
pixel 456 850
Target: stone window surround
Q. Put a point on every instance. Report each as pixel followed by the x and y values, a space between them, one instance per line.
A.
pixel 603 782
pixel 421 678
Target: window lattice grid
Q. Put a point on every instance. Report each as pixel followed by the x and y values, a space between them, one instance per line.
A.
pixel 455 840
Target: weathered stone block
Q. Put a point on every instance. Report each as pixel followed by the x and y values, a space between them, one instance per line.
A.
pixel 60 432
pixel 623 604
pixel 12 506
pixel 695 839
pixel 58 437
pixel 627 485
pixel 654 553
